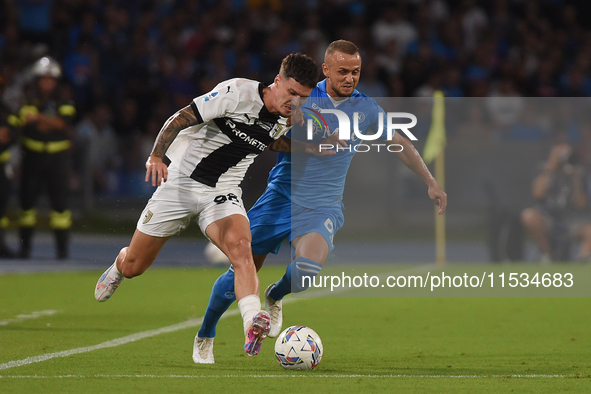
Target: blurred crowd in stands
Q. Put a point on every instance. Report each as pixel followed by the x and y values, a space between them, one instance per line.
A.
pixel 128 65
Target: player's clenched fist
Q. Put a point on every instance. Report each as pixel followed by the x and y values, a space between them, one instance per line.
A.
pixel 156 170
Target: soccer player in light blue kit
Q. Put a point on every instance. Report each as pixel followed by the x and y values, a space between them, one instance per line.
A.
pixel 303 201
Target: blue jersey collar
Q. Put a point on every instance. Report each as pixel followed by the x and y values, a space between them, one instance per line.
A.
pixel 322 87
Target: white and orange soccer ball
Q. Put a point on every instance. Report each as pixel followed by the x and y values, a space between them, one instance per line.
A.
pixel 298 348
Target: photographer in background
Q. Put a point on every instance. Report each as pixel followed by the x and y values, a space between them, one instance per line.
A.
pixel 560 199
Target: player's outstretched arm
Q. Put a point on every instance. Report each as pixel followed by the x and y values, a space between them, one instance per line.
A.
pixel 413 160
pixel 286 144
pixel 155 167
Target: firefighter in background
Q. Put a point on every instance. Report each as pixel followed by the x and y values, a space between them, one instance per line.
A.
pixel 46 121
pixel 7 136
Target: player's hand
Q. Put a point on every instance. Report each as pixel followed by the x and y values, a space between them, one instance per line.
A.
pixel 297 117
pixel 439 197
pixel 157 170
pixel 323 148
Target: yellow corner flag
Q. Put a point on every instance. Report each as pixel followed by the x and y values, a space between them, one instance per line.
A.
pixel 435 150
pixel 436 140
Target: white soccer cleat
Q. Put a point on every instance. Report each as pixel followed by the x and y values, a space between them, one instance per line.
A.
pixel 108 283
pixel 275 311
pixel 203 350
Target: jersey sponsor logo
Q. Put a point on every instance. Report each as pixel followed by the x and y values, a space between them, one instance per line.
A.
pixel 147 217
pixel 247 141
pixel 211 96
pixel 245 137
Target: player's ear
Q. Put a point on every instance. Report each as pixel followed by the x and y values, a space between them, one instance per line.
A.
pixel 277 79
pixel 325 70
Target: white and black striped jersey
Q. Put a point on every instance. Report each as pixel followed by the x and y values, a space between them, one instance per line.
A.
pixel 234 127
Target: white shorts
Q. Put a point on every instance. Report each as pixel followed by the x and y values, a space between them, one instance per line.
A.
pixel 180 199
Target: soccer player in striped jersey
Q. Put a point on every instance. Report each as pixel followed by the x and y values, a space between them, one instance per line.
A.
pixel 210 144
pixel 304 201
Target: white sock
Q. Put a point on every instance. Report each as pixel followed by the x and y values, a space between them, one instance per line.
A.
pixel 249 306
pixel 115 270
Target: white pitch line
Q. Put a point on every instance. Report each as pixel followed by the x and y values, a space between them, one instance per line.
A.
pixel 112 343
pixel 305 375
pixel 150 333
pixel 118 341
pixel 32 315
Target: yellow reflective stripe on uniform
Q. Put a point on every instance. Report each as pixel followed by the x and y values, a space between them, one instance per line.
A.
pixel 4 222
pixel 36 146
pixel 28 218
pixel 14 121
pixel 60 220
pixel 66 110
pixel 27 110
pixel 5 156
pixel 57 146
pixel 49 147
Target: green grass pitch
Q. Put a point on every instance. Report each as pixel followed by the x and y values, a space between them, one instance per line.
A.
pixel 370 345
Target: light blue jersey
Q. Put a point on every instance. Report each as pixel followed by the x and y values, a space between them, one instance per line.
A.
pixel 318 181
pixel 304 192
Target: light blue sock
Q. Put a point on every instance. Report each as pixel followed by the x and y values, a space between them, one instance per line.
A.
pixel 222 296
pixel 292 282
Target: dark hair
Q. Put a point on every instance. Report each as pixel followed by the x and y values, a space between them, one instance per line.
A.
pixel 344 46
pixel 301 68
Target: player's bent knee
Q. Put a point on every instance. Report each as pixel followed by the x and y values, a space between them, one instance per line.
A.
pixel 238 248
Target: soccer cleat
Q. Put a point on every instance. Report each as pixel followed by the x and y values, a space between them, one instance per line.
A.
pixel 107 284
pixel 256 333
pixel 203 350
pixel 275 311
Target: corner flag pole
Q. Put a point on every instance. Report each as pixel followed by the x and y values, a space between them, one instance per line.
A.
pixel 435 151
pixel 440 219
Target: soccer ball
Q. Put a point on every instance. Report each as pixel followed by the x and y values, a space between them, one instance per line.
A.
pixel 298 348
pixel 214 255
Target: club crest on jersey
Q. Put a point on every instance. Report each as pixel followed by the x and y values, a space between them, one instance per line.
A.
pixel 361 117
pixel 148 216
pixel 211 96
pixel 276 131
